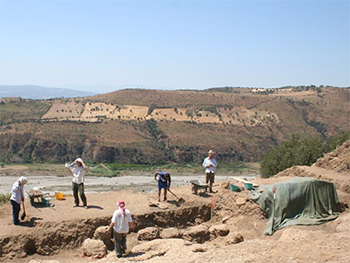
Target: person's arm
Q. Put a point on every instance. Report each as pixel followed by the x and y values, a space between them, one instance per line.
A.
pixel 155 176
pixel 111 225
pixel 22 191
pixel 69 168
pixel 15 188
pixel 169 182
pixel 131 226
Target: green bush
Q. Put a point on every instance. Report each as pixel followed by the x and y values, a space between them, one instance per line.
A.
pixel 299 151
pixel 4 198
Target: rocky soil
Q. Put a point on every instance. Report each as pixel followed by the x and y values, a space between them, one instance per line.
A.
pixel 233 231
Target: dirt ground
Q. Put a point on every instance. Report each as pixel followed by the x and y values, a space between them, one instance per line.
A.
pixel 329 242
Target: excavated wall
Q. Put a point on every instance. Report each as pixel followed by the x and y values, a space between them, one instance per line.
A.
pixel 49 238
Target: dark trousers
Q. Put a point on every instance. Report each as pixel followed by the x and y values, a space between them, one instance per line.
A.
pixel 119 243
pixel 79 188
pixel 15 212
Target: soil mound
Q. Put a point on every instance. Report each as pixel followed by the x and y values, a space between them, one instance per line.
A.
pixel 338 160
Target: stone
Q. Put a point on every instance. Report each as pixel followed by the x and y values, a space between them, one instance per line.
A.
pixel 240 201
pixel 102 233
pixel 198 234
pixel 219 230
pixel 171 232
pixel 94 248
pixel 148 233
pixel 234 238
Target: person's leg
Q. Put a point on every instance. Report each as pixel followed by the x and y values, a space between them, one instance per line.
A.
pixel 159 191
pixel 82 194
pixel 75 193
pixel 165 186
pixel 207 175
pixel 211 182
pixel 15 212
pixel 123 244
pixel 118 244
pixel 165 192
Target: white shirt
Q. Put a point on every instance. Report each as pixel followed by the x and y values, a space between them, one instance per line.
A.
pixel 121 222
pixel 16 192
pixel 78 173
pixel 208 161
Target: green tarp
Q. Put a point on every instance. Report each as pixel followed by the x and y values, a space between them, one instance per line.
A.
pixel 299 201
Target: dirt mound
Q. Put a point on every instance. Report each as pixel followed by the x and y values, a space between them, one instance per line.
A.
pixel 338 160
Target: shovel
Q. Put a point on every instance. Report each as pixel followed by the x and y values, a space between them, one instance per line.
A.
pixel 24 212
pixel 179 200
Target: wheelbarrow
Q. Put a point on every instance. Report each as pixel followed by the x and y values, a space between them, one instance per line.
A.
pixel 198 186
pixel 33 193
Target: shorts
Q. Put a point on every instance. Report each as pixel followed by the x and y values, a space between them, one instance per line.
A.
pixel 162 184
pixel 209 177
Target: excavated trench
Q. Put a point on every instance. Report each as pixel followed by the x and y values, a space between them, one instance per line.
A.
pixel 49 238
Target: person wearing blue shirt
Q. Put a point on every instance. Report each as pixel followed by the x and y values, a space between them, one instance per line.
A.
pixel 164 181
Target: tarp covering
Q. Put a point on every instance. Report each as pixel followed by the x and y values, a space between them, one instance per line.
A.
pixel 299 201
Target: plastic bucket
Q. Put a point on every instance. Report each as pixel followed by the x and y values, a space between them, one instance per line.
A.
pixel 248 186
pixel 59 195
pixel 46 201
pixel 234 188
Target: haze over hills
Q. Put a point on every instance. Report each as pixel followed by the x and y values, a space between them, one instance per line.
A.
pixel 160 126
pixel 38 92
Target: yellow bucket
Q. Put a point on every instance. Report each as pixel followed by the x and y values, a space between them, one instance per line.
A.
pixel 59 195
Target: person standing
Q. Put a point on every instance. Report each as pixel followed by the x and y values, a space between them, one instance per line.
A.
pixel 121 223
pixel 210 165
pixel 17 198
pixel 164 181
pixel 77 170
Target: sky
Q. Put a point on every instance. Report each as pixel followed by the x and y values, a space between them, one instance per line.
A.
pixel 102 46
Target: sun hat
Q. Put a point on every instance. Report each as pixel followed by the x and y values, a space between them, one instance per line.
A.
pixel 23 180
pixel 80 161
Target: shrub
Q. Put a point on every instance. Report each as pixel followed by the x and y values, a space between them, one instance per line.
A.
pixel 4 198
pixel 298 151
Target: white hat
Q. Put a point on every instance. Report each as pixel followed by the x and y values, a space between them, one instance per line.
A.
pixel 23 180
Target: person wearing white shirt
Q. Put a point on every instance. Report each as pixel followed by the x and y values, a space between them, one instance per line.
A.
pixel 210 166
pixel 77 170
pixel 17 197
pixel 121 223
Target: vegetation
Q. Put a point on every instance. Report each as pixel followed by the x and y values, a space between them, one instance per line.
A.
pixel 4 198
pixel 299 151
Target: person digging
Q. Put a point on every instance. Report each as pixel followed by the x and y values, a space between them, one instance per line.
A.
pixel 164 181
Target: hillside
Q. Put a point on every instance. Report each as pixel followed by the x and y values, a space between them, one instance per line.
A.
pixel 155 126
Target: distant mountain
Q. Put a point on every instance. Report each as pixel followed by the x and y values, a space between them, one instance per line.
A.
pixel 37 92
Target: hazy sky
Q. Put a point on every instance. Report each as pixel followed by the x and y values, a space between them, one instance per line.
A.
pixel 108 45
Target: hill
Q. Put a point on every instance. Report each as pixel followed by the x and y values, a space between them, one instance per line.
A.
pixel 157 126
